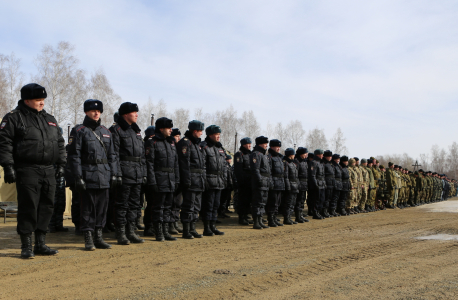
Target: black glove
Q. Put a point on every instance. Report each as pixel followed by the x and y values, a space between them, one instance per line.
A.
pixel 144 181
pixel 154 188
pixel 119 179
pixel 10 174
pixel 113 182
pixel 60 172
pixel 80 185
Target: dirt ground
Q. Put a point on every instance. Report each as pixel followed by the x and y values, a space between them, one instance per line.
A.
pixel 365 256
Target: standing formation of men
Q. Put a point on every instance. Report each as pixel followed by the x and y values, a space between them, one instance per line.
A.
pixel 112 172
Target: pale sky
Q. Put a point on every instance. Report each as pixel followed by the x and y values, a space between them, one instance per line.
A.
pixel 385 72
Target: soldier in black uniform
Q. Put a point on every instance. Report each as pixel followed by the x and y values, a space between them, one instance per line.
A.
pixel 128 145
pixel 260 180
pixel 226 193
pixel 216 172
pixel 242 175
pixel 330 183
pixel 301 161
pixel 310 159
pixel 343 195
pixel 163 177
pixel 291 186
pixel 30 145
pixel 93 162
pixel 317 184
pixel 174 228
pixel 109 225
pixel 277 172
pixel 337 185
pixel 148 194
pixel 192 177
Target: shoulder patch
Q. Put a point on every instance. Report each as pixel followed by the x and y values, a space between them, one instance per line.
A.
pixel 3 124
pixel 238 159
pixel 70 140
pixel 254 160
pixel 147 150
pixel 184 150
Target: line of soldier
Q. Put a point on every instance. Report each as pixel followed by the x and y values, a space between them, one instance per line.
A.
pixel 110 172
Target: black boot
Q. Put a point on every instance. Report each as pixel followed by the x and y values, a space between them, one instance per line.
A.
pixel 193 231
pixel 287 220
pixel 213 228
pixel 131 235
pixel 40 245
pixel 299 217
pixel 172 229
pixel 243 220
pixel 256 221
pixel 271 221
pixel 249 220
pixel 98 240
pixel 178 227
pixel 207 230
pixel 165 231
pixel 149 230
pixel 88 242
pixel 317 216
pixel 158 232
pixel 26 246
pixel 277 221
pixel 139 225
pixel 121 235
pixel 186 231
pixel 342 212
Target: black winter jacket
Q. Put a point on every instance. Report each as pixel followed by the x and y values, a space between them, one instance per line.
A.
pixel 302 173
pixel 260 169
pixel 29 137
pixel 329 174
pixel 215 164
pixel 162 163
pixel 277 170
pixel 191 160
pixel 87 158
pixel 316 174
pixel 242 167
pixel 291 175
pixel 345 178
pixel 337 176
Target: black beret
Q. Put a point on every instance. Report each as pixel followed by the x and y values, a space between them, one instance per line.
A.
pixel 261 140
pixel 196 125
pixel 370 161
pixel 301 150
pixel 311 156
pixel 318 152
pixel 93 104
pixel 115 117
pixel 212 129
pixel 176 131
pixel 289 151
pixel 163 123
pixel 228 157
pixel 33 91
pixel 327 153
pixel 357 159
pixel 127 107
pixel 275 143
pixel 245 141
pixel 336 156
pixel 150 130
pixel 344 158
pixel 390 164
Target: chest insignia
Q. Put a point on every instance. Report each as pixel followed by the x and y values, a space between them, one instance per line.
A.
pixel 106 135
pixel 52 124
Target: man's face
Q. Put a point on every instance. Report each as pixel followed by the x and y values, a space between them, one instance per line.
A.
pixel 37 104
pixel 345 163
pixel 166 132
pixel 247 146
pixel 276 149
pixel 229 161
pixel 177 138
pixel 357 163
pixel 364 164
pixel 93 114
pixel 320 156
pixel 216 137
pixel 328 158
pixel 131 117
pixel 197 133
pixel 303 156
pixel 337 160
pixel 263 146
pixel 369 165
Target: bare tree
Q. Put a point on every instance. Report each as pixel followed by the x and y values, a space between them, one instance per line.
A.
pixel 144 114
pixel 249 125
pixel 180 119
pixel 55 70
pixel 15 80
pixel 229 123
pixel 338 143
pixel 295 135
pixel 3 86
pixel 281 133
pixel 424 161
pixel 78 93
pixel 316 139
pixel 452 158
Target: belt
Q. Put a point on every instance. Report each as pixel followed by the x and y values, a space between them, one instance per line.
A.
pixel 278 175
pixel 265 174
pixel 200 171
pixel 168 170
pixel 303 179
pixel 215 173
pixel 131 158
pixel 97 161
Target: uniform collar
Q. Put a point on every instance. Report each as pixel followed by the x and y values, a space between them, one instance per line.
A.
pixel 88 122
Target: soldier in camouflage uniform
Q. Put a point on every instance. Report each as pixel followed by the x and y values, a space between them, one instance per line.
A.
pixel 365 185
pixel 359 186
pixel 370 205
pixel 377 178
pixel 354 183
pixel 383 193
pixel 392 186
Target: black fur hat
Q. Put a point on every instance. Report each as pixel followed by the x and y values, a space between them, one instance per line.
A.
pixel 33 91
pixel 127 107
pixel 93 104
pixel 163 123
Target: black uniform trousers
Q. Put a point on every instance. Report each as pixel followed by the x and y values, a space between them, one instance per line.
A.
pixel 244 199
pixel 210 205
pixel 191 206
pixel 176 206
pixel 148 216
pixel 327 198
pixel 300 201
pixel 36 188
pixel 342 202
pixel 316 199
pixel 161 208
pixel 94 206
pixel 273 201
pixel 111 212
pixel 75 209
pixel 258 202
pixel 288 202
pixel 226 196
pixel 127 203
pixel 57 218
pixel 142 201
pixel 334 200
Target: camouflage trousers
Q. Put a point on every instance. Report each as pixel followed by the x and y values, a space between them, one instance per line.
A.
pixel 371 197
pixel 351 198
pixel 364 197
pixel 358 195
pixel 394 197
